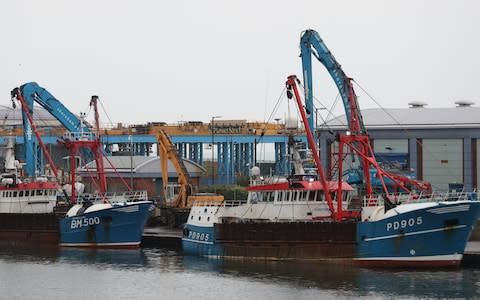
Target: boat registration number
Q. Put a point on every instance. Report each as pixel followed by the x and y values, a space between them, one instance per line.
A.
pixel 84 222
pixel 198 236
pixel 410 222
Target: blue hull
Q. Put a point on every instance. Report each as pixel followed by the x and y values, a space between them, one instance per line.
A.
pixel 116 227
pixel 434 236
pixel 200 241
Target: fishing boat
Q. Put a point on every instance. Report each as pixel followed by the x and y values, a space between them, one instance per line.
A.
pixel 307 217
pixel 100 220
pixel 106 221
pixel 27 205
pixel 27 196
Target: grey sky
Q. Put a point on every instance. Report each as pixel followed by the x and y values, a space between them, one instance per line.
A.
pixel 188 60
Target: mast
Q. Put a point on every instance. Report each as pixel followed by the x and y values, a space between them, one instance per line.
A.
pixel 76 141
pixel 292 85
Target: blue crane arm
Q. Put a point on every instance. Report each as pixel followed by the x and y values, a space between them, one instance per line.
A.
pixel 32 92
pixel 312 45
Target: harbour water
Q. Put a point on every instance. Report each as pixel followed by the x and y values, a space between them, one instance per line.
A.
pixel 165 273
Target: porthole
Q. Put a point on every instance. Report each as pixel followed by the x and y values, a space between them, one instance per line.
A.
pixel 199 218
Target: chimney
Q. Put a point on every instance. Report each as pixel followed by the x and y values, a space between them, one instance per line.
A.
pixel 417 104
pixel 464 103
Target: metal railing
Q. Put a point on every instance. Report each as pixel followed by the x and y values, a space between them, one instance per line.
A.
pixel 78 136
pixel 378 200
pixel 112 197
pixel 226 203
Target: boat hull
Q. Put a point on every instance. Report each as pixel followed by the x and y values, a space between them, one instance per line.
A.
pixel 431 236
pixel 115 227
pixel 273 241
pixel 437 236
pixel 29 229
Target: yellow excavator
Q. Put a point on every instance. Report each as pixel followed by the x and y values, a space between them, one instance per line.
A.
pixel 178 196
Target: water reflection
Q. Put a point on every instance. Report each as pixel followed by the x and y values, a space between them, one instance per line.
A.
pixel 323 279
pixel 29 254
pixel 439 283
pixel 104 258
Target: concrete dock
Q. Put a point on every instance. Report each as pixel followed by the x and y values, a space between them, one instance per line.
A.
pixel 172 237
pixel 162 236
pixel 471 258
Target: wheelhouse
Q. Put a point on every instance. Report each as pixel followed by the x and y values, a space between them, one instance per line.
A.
pixel 295 190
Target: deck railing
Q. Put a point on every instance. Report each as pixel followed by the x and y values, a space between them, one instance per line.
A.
pixel 113 197
pixel 378 200
pixel 227 203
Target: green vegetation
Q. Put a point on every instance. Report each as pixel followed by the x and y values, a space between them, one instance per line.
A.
pixel 230 192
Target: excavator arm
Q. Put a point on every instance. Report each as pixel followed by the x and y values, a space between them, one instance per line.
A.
pixel 169 153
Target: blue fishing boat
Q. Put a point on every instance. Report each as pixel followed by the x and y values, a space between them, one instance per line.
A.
pixel 105 220
pixel 307 217
pixel 106 224
pixel 291 223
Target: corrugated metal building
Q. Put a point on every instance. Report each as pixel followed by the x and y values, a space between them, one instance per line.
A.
pixel 440 145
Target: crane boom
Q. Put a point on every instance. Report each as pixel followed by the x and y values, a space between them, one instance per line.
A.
pixel 31 92
pixel 312 45
pixel 356 140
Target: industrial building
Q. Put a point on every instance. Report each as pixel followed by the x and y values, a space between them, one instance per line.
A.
pixel 439 145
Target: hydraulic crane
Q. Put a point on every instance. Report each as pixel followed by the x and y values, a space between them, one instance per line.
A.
pixel 312 45
pixel 31 92
pixel 356 140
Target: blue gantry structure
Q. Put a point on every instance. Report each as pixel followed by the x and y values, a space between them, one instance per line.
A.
pixel 234 154
pixel 235 142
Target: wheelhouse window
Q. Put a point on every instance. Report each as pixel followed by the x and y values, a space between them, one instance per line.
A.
pixel 346 196
pixel 303 196
pixel 288 196
pixel 280 196
pixel 295 196
pixel 320 196
pixel 267 197
pixel 333 196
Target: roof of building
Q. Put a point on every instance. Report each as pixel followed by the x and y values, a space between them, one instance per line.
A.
pixel 417 117
pixel 142 166
pixel 14 116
